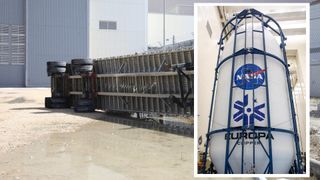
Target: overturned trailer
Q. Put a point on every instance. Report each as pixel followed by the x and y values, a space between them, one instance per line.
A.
pixel 152 83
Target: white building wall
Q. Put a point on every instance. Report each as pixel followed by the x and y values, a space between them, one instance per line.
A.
pixel 131 33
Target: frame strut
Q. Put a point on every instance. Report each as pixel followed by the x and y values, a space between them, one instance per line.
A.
pixel 227 167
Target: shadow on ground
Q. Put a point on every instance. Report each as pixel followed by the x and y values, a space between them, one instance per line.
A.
pixel 19 100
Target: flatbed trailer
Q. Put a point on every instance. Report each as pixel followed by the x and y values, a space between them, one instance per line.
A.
pixel 160 83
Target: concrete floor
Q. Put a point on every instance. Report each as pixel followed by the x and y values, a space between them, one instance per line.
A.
pixel 37 143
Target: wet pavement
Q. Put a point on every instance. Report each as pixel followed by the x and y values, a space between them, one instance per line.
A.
pixel 37 143
pixel 103 150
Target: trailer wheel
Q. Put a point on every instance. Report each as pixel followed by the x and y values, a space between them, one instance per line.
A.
pixel 78 69
pixel 85 102
pixel 83 109
pixel 56 64
pixel 56 103
pixel 56 70
pixel 47 102
pixel 82 62
pixel 84 105
pixel 56 67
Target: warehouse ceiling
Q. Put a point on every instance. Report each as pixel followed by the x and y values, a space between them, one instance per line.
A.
pixel 292 19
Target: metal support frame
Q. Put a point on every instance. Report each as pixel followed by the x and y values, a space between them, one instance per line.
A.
pixel 88 85
pixel 58 85
pixel 265 23
pixel 183 101
pixel 151 83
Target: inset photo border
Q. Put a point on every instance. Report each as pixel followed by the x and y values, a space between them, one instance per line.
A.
pixel 252 90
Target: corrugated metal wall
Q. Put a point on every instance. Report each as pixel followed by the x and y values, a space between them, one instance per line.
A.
pixel 315 50
pixel 12 23
pixel 57 30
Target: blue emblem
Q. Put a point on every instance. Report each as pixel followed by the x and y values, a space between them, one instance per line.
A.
pixel 243 110
pixel 249 76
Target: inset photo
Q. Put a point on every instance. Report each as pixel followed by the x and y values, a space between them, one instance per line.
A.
pixel 252 89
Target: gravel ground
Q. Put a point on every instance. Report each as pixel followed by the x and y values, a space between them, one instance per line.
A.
pixel 24 119
pixel 37 143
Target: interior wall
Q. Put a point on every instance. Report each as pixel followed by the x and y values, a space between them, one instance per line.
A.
pixel 206 57
pixel 299 91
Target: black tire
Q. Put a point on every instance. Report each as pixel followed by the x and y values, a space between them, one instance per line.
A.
pixel 56 64
pixel 83 109
pixel 83 68
pixel 85 102
pixel 59 105
pixel 84 105
pixel 55 70
pixel 56 103
pixel 47 102
pixel 82 62
pixel 59 100
pixel 56 67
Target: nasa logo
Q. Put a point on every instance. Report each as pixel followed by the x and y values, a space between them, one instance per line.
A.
pixel 249 76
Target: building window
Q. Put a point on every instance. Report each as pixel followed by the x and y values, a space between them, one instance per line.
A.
pixel 108 25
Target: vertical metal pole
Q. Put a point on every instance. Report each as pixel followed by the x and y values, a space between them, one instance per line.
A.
pixel 226 165
pixel 244 93
pixel 253 101
pixel 267 97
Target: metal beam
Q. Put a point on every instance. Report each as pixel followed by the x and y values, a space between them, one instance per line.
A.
pixel 139 95
pixel 144 74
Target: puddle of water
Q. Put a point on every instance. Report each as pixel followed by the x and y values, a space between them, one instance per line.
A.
pixel 103 150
